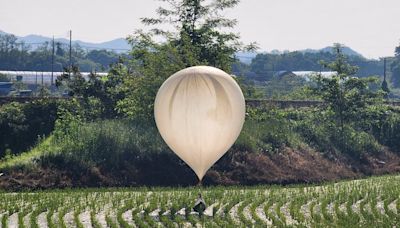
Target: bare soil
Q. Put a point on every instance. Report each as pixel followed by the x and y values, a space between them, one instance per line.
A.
pixel 289 166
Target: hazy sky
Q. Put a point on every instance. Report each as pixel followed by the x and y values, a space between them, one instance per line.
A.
pixel 371 27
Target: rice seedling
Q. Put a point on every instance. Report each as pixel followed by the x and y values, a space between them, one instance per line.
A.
pixel 372 202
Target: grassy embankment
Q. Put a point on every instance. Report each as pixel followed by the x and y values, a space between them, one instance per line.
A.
pixel 275 146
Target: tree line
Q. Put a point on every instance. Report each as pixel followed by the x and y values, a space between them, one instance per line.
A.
pixel 395 68
pixel 264 66
pixel 16 55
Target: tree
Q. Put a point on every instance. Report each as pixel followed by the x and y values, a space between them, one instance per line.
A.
pixel 43 91
pixel 12 52
pixel 385 88
pixel 198 31
pixel 265 65
pixel 22 123
pixel 346 95
pixel 346 121
pixel 99 95
pixel 395 67
pixel 197 39
pixel 103 57
pixel 59 49
pixel 4 78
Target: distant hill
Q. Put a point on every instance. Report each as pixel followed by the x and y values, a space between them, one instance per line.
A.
pixel 121 45
pixel 118 45
pixel 346 51
pixel 247 57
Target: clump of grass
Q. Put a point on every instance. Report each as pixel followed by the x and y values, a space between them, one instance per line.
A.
pixel 109 142
pixel 27 158
pixel 104 143
pixel 268 135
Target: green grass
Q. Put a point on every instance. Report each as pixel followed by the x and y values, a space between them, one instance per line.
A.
pixel 277 202
pixel 28 157
pixel 109 140
pixel 106 143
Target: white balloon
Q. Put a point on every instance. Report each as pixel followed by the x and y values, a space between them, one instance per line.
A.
pixel 199 112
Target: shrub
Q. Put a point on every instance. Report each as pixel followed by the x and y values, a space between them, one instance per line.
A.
pixel 384 123
pixel 320 131
pixel 266 130
pixel 21 124
pixel 108 143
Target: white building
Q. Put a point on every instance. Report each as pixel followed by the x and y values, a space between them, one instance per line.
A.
pixel 39 77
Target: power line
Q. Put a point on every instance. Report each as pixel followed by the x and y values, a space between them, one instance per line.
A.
pixel 70 49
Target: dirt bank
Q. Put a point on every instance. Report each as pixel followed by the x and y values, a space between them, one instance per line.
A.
pixel 286 167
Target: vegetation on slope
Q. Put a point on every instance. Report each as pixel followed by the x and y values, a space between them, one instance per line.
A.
pixel 22 124
pixel 275 146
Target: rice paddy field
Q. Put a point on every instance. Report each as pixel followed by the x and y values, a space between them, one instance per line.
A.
pixel 372 202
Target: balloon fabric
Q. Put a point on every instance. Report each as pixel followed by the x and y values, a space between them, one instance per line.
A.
pixel 199 112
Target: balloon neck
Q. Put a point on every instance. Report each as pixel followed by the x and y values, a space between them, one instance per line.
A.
pixel 200 183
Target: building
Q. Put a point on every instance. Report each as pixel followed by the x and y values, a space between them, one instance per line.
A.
pixel 304 74
pixel 39 77
pixel 284 73
pixel 5 88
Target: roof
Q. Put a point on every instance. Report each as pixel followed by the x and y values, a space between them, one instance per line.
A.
pixel 35 77
pixel 306 74
pixel 310 73
pixel 6 85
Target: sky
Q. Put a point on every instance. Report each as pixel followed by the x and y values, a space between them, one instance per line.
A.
pixel 371 27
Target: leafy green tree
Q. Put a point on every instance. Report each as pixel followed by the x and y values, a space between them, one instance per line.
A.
pixel 346 95
pixel 59 50
pixel 43 91
pixel 22 123
pixel 103 57
pixel 98 95
pixel 385 88
pixel 250 91
pixel 264 66
pixel 281 87
pixel 198 38
pixel 199 31
pixel 4 78
pixel 395 67
pixel 11 52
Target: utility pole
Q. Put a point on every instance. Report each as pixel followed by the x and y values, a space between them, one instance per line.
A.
pixel 52 64
pixel 36 84
pixel 384 69
pixel 385 86
pixel 70 49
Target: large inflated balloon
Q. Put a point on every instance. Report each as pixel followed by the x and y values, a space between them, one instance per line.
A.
pixel 200 112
